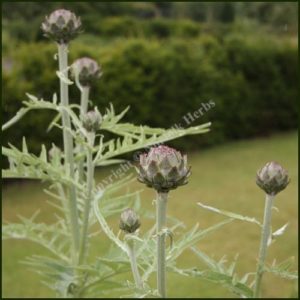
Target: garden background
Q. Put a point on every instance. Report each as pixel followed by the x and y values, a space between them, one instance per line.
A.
pixel 175 63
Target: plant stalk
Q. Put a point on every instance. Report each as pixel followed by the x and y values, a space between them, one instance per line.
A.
pixel 133 263
pixel 68 148
pixel 84 101
pixel 89 193
pixel 83 110
pixel 266 231
pixel 161 217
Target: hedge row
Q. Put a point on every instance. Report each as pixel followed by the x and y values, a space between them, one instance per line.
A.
pixel 125 26
pixel 115 27
pixel 245 88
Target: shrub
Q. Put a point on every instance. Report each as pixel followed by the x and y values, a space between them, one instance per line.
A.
pixel 117 26
pixel 160 28
pixel 253 85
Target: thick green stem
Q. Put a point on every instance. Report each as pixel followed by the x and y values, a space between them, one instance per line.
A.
pixel 83 110
pixel 68 148
pixel 87 207
pixel 161 217
pixel 84 101
pixel 133 263
pixel 266 231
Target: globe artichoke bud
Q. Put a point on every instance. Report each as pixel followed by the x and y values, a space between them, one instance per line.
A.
pixel 129 221
pixel 272 178
pixel 92 120
pixel 61 26
pixel 87 70
pixel 163 169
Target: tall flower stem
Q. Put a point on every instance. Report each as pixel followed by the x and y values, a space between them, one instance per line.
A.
pixel 161 217
pixel 84 99
pixel 89 193
pixel 266 231
pixel 85 91
pixel 68 148
pixel 133 263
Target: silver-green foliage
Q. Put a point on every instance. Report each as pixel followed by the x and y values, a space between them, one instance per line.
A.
pixel 95 278
pixel 217 272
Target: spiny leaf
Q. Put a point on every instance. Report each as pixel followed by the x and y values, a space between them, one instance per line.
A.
pixel 283 269
pixel 54 99
pixel 207 260
pixel 231 282
pixel 106 228
pixel 280 231
pixel 39 233
pixel 53 122
pixel 30 166
pixel 111 162
pixel 230 214
pixel 63 78
pixel 31 97
pixel 191 238
pixel 24 146
pixel 43 155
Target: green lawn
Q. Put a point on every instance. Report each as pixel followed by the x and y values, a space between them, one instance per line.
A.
pixel 223 177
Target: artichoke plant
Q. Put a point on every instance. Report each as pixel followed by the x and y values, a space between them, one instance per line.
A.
pixel 87 70
pixel 272 178
pixel 163 168
pixel 61 26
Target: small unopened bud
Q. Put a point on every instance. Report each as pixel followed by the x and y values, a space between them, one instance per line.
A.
pixel 87 70
pixel 129 221
pixel 92 120
pixel 272 178
pixel 61 26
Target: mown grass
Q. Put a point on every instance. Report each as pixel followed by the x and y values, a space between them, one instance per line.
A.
pixel 222 177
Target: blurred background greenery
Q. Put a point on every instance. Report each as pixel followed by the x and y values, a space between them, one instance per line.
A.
pixel 161 58
pixel 166 60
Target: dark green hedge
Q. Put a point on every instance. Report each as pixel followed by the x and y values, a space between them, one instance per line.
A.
pixel 251 85
pixel 117 26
